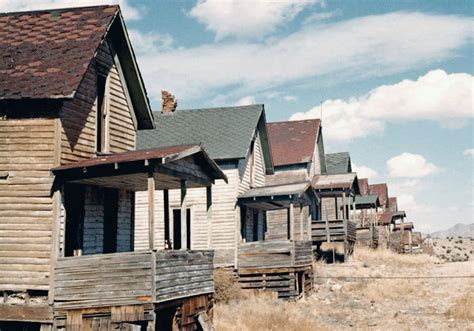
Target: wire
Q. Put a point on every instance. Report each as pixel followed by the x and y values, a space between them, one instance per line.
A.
pixel 395 277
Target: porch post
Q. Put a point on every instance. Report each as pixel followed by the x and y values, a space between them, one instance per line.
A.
pixel 309 223
pixel 292 222
pixel 166 206
pixel 301 222
pixel 184 222
pixel 151 210
pixel 209 215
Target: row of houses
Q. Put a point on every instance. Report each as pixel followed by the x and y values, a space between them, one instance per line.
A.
pixel 114 215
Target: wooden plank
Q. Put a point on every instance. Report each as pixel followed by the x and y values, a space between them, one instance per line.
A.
pixel 151 211
pixel 184 209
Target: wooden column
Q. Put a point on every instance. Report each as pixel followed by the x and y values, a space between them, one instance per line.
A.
pixel 301 223
pixel 151 210
pixel 345 209
pixel 184 208
pixel 309 225
pixel 237 236
pixel 209 215
pixel 166 214
pixel 55 240
pixel 292 222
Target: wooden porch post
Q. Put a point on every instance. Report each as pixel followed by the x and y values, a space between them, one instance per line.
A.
pixel 151 210
pixel 309 225
pixel 209 215
pixel 346 218
pixel 301 223
pixel 292 222
pixel 166 214
pixel 184 209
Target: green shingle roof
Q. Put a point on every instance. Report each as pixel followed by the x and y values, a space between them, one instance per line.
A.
pixel 371 200
pixel 225 133
pixel 338 163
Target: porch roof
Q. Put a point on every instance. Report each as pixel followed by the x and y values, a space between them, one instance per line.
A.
pixel 391 217
pixel 130 170
pixel 364 201
pixel 338 182
pixel 276 197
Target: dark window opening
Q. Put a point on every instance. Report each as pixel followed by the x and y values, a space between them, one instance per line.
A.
pixel 255 225
pixel 177 226
pixel 110 220
pixel 288 227
pixel 100 127
pixel 74 198
pixel 243 220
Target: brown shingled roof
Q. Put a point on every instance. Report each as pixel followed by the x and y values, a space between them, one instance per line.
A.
pixel 382 191
pixel 364 186
pixel 45 54
pixel 293 142
pixel 393 204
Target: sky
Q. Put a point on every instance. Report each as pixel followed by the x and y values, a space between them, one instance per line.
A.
pixel 393 80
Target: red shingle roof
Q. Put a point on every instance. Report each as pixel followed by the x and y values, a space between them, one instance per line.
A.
pixel 364 186
pixel 382 191
pixel 293 142
pixel 392 204
pixel 45 54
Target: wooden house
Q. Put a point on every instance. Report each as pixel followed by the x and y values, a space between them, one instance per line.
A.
pixel 401 239
pixel 365 213
pixel 71 102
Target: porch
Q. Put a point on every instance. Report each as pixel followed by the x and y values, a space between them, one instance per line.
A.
pixel 98 278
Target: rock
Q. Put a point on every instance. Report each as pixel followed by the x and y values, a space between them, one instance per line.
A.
pixel 336 287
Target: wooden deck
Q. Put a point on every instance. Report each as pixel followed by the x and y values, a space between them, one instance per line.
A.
pixel 333 231
pixel 367 236
pixel 141 277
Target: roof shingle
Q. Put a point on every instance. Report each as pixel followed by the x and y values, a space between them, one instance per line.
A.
pixel 338 163
pixel 382 191
pixel 45 54
pixel 293 142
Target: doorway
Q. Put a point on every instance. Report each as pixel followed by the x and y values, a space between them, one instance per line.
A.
pixel 177 226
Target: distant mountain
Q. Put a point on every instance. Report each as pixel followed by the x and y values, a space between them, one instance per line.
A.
pixel 462 230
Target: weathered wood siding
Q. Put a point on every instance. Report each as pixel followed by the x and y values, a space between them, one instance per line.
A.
pixel 286 176
pixel 131 278
pixel 78 132
pixel 278 223
pixel 329 209
pixel 27 151
pixel 225 216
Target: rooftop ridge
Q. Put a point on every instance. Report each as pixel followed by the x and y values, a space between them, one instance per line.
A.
pixel 40 11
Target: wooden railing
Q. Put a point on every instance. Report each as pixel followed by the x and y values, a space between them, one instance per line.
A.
pixel 274 254
pixel 131 278
pixel 333 231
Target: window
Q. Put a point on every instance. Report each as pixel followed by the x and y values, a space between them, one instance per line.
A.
pixel 102 124
pixel 74 200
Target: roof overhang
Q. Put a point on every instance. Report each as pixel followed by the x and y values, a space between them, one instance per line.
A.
pixel 278 196
pixel 336 185
pixel 129 170
pixel 366 201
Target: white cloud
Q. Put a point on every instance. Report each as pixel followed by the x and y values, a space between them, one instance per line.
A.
pixel 150 42
pixel 248 100
pixel 246 18
pixel 438 96
pixel 407 165
pixel 316 17
pixel 290 98
pixel 129 12
pixel 360 47
pixel 364 172
pixel 469 152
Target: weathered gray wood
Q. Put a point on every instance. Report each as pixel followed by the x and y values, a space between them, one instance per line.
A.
pixel 151 210
pixel 184 206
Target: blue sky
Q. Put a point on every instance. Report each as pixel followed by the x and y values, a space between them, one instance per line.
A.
pixel 394 79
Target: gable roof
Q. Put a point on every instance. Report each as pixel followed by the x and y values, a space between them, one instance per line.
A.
pixel 46 53
pixel 336 182
pixel 293 142
pixel 338 163
pixel 225 133
pixel 382 191
pixel 364 186
pixel 366 200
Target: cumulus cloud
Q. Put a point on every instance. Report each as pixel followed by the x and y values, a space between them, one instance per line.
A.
pixel 150 42
pixel 129 12
pixel 437 95
pixel 469 152
pixel 407 165
pixel 366 46
pixel 246 18
pixel 364 172
pixel 248 100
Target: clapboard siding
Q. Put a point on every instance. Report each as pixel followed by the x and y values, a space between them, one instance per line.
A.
pixel 78 132
pixel 278 223
pixel 287 176
pixel 258 172
pixel 328 209
pixel 27 152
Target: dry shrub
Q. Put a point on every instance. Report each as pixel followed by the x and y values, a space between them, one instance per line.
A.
pixel 385 256
pixel 226 286
pixel 263 312
pixel 463 307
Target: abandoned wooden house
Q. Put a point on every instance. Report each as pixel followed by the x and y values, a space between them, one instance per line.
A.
pixel 337 223
pixel 401 238
pixel 71 102
pixel 365 215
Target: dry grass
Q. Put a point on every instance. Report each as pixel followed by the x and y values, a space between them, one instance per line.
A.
pixel 388 289
pixel 226 286
pixel 463 308
pixel 385 256
pixel 265 313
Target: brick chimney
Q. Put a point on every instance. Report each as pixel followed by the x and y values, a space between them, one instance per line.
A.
pixel 169 102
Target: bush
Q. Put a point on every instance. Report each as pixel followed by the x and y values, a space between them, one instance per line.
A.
pixel 226 286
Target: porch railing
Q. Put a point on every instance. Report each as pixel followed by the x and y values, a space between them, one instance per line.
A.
pixel 333 231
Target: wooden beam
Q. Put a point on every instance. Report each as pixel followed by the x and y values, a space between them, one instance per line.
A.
pixel 301 223
pixel 209 215
pixel 55 240
pixel 166 206
pixel 151 210
pixel 292 222
pixel 184 208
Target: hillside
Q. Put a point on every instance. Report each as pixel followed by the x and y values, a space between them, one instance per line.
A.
pixel 458 230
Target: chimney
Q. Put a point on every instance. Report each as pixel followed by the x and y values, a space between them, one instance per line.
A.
pixel 169 102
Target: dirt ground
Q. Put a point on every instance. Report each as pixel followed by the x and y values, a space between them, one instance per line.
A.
pixel 371 292
pixel 454 249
